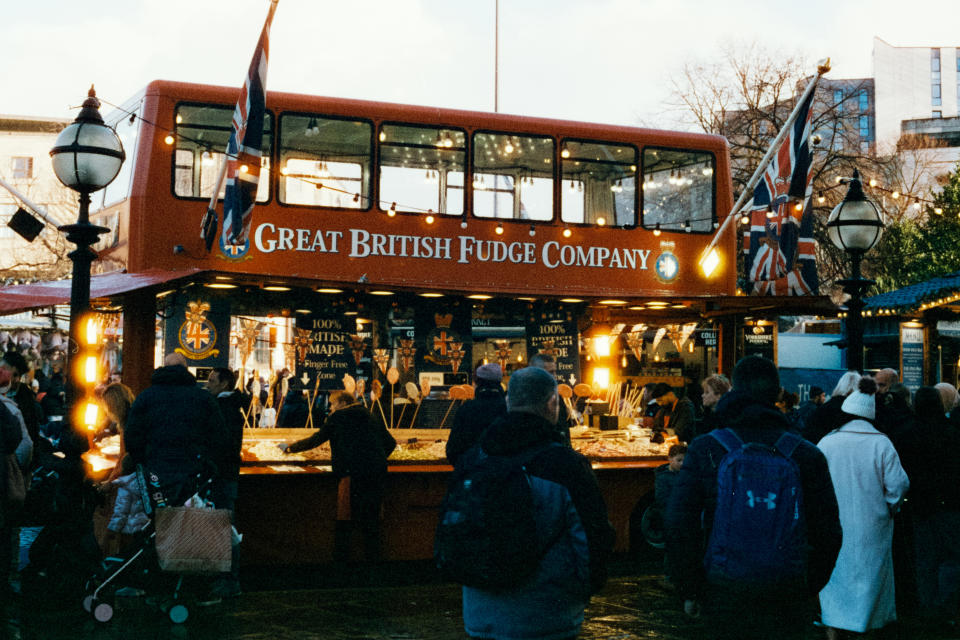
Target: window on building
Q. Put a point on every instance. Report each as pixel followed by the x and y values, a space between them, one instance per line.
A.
pixel 513 176
pixel 21 168
pixel 934 59
pixel 421 168
pixel 864 100
pixel 864 147
pixel 678 189
pixel 838 99
pixel 937 114
pixel 864 127
pixel 325 161
pixel 935 95
pixel 202 135
pixel 600 183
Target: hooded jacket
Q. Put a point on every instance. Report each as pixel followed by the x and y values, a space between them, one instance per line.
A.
pixel 696 494
pixel 128 514
pixel 472 419
pixel 174 427
pixel 569 510
pixel 359 445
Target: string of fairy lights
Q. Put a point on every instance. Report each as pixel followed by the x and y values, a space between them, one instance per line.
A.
pixel 391 208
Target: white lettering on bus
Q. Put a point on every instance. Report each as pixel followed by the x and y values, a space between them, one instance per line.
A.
pixel 555 255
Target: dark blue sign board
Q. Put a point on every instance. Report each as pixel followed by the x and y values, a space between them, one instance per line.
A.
pixel 911 356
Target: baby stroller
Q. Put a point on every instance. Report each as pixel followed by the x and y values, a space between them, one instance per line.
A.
pixel 193 539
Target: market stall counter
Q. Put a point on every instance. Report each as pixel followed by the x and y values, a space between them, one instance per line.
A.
pixel 287 503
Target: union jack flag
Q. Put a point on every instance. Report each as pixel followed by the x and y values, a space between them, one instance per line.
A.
pixel 779 247
pixel 244 147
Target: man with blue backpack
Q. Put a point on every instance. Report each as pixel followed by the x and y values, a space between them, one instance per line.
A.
pixel 753 529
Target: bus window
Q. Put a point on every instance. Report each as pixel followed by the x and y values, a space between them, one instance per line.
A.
pixel 126 122
pixel 421 168
pixel 678 190
pixel 202 135
pixel 325 161
pixel 599 183
pixel 512 176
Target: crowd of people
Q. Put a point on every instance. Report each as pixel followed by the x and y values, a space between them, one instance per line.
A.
pixel 854 457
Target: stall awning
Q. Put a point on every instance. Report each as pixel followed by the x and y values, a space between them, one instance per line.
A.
pixel 24 297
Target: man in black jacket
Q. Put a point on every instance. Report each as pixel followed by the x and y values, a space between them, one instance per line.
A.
pixel 570 511
pixel 745 610
pixel 175 429
pixel 222 384
pixel 359 447
pixel 474 416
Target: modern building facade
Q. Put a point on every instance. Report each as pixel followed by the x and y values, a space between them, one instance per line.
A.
pixel 915 85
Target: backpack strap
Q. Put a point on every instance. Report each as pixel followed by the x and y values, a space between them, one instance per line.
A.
pixel 728 438
pixel 787 443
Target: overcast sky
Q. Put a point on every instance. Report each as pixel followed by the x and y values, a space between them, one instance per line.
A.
pixel 599 60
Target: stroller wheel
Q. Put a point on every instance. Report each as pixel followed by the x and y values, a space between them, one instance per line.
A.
pixel 178 614
pixel 88 601
pixel 102 611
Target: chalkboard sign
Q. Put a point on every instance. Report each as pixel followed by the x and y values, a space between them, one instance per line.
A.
pixel 760 340
pixel 911 356
pixel 557 339
pixel 323 349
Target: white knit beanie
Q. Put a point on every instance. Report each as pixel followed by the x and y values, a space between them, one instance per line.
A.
pixel 862 401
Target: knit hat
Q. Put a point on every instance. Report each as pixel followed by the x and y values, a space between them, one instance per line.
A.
pixel 489 373
pixel 948 395
pixel 862 402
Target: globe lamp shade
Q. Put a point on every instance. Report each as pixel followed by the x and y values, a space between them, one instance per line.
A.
pixel 87 155
pixel 854 224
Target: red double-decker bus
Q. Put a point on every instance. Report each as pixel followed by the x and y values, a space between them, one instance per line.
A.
pixel 400 215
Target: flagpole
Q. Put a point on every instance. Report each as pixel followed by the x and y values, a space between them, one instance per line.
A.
pixel 822 68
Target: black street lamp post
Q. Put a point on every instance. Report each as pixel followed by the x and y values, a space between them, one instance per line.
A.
pixel 855 226
pixel 86 157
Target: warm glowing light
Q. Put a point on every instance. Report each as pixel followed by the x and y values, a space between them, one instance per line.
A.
pixel 381 293
pixel 479 296
pixel 169 139
pixel 179 118
pixel 276 287
pixel 508 148
pixel 601 221
pixel 571 300
pixel 499 229
pixel 430 218
pixel 383 136
pixel 613 302
pixel 93 331
pixel 601 377
pixel 431 294
pixel 601 346
pixel 90 414
pixel 656 230
pixel 710 262
pixel 745 219
pixel 328 290
pixel 90 369
pixel 567 233
pixel 873 182
pixel 244 168
pixel 565 153
pixel 690 346
pixel 220 285
pixel 938 210
pixel 895 195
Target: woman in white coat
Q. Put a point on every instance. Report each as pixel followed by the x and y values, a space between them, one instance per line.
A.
pixel 869 483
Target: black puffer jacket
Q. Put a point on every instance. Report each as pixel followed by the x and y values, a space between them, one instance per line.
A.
pixel 696 494
pixel 472 419
pixel 174 427
pixel 359 445
pixel 231 405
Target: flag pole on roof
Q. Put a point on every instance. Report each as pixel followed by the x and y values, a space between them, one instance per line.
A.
pixel 709 259
pixel 240 166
